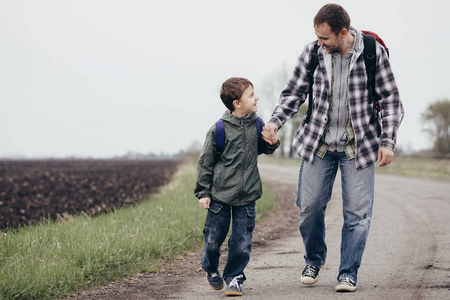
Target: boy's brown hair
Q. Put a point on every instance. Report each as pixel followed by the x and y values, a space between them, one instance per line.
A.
pixel 232 89
pixel 335 16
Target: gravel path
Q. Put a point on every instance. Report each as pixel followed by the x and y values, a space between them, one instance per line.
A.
pixel 407 255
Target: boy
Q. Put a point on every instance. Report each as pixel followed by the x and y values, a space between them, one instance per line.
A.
pixel 228 184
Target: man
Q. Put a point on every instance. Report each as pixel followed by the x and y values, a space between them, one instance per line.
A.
pixel 341 133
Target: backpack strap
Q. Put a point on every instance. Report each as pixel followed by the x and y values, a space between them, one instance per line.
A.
pixel 370 60
pixel 313 62
pixel 220 136
pixel 258 127
pixel 378 39
pixel 371 63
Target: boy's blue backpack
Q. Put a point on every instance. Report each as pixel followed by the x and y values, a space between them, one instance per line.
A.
pixel 220 134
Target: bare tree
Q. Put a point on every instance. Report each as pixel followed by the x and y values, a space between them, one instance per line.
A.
pixel 296 122
pixel 437 117
pixel 270 90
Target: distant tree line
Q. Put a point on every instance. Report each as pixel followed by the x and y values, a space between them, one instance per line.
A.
pixel 437 124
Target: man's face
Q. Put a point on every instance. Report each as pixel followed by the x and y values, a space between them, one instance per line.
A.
pixel 328 39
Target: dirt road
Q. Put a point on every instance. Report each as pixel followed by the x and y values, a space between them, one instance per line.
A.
pixel 407 254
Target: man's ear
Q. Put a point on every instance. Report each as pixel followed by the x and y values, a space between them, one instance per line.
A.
pixel 343 32
pixel 236 104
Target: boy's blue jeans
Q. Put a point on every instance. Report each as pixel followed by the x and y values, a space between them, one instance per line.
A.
pixel 314 192
pixel 217 224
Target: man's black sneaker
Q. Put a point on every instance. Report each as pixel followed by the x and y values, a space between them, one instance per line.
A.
pixel 346 284
pixel 234 287
pixel 310 274
pixel 215 280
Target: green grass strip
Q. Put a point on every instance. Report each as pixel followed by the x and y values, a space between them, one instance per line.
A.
pixel 401 165
pixel 54 259
pixel 417 167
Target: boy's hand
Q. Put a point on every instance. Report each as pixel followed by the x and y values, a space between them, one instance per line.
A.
pixel 269 133
pixel 205 202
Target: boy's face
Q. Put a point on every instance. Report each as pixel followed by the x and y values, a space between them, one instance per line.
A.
pixel 247 103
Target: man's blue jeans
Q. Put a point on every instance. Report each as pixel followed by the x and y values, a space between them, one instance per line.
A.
pixel 314 192
pixel 217 224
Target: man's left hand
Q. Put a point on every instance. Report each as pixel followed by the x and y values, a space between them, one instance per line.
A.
pixel 385 156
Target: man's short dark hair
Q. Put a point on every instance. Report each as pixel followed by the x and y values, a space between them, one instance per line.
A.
pixel 232 89
pixel 335 16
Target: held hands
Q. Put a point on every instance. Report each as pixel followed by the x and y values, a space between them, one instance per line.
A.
pixel 269 133
pixel 205 202
pixel 385 156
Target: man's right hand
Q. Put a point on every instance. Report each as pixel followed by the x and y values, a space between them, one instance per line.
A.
pixel 269 133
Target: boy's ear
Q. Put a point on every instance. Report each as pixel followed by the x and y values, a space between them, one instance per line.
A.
pixel 236 103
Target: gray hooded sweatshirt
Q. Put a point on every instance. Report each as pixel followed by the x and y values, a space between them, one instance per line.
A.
pixel 336 137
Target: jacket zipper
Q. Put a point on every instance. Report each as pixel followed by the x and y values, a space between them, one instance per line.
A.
pixel 244 156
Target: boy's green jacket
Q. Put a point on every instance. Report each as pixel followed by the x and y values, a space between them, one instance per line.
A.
pixel 232 177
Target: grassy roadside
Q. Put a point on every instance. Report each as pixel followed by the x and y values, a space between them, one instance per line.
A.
pixel 54 259
pixel 402 165
pixel 418 167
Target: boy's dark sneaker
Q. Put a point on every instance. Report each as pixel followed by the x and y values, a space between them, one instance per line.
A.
pixel 346 284
pixel 215 280
pixel 234 287
pixel 310 274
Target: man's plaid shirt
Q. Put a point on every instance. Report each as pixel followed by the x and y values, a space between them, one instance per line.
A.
pixel 362 115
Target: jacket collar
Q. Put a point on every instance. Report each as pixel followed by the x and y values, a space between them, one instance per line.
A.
pixel 228 116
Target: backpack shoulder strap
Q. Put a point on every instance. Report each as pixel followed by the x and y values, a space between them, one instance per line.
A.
pixel 313 62
pixel 220 136
pixel 258 127
pixel 370 52
pixel 370 60
pixel 378 39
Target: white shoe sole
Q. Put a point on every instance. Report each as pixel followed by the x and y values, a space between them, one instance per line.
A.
pixel 345 288
pixel 309 280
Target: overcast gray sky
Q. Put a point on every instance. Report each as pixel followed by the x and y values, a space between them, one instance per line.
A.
pixel 101 78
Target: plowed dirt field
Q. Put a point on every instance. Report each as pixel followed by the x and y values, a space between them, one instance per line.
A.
pixel 32 189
